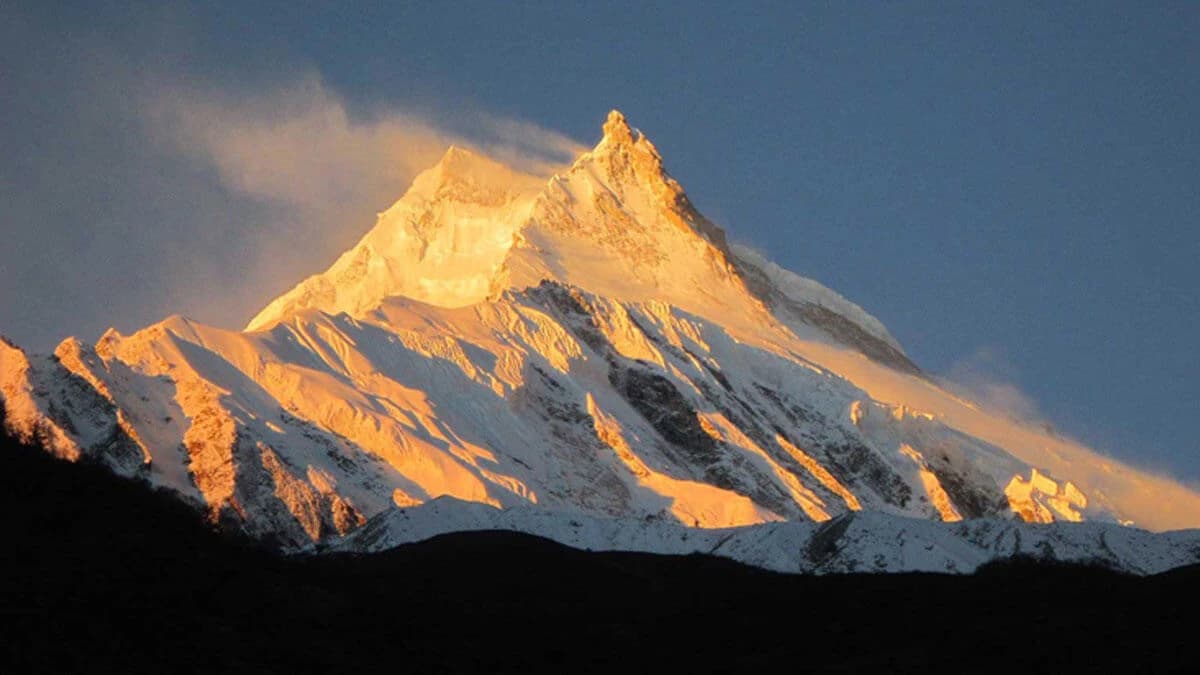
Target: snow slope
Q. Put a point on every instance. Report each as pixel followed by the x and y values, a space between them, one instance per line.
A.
pixel 588 344
pixel 852 542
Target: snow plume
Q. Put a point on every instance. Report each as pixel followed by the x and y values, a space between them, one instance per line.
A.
pixel 301 147
pixel 985 377
pixel 1152 497
pixel 314 170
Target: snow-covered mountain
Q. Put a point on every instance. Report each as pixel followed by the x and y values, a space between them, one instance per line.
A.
pixel 587 346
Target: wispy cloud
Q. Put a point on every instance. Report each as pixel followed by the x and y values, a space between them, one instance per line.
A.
pixel 170 188
pixel 986 377
pixel 300 147
pixel 318 169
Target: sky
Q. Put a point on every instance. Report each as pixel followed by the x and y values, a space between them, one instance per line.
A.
pixel 1014 189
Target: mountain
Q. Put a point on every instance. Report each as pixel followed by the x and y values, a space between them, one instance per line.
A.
pixel 585 348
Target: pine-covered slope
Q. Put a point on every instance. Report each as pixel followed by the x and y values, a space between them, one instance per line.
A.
pixel 586 345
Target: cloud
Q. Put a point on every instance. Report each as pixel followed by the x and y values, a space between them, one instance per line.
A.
pixel 138 187
pixel 299 146
pixel 318 169
pixel 1146 494
pixel 985 377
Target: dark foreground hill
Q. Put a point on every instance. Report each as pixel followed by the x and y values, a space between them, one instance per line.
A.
pixel 105 575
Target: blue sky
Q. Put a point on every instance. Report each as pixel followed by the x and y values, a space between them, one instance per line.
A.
pixel 1014 190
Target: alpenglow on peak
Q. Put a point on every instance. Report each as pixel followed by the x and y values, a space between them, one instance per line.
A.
pixel 616 128
pixel 614 221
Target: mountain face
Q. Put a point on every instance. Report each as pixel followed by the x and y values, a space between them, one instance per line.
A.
pixel 588 346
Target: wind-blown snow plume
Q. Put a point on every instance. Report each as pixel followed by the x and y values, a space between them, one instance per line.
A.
pixel 301 147
pixel 984 376
pixel 319 168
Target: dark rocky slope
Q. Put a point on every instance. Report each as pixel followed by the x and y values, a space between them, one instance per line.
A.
pixel 104 575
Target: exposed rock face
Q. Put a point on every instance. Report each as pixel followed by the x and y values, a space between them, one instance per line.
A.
pixel 587 344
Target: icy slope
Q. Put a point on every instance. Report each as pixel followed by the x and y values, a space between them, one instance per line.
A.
pixel 443 243
pixel 587 344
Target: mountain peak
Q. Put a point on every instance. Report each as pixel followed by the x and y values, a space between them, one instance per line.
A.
pixel 464 229
pixel 623 146
pixel 455 153
pixel 465 175
pixel 458 161
pixel 616 128
pixel 620 139
pixel 630 163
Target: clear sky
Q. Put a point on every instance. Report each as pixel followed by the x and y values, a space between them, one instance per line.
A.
pixel 1013 189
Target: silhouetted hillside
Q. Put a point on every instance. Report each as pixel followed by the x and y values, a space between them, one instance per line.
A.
pixel 106 575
